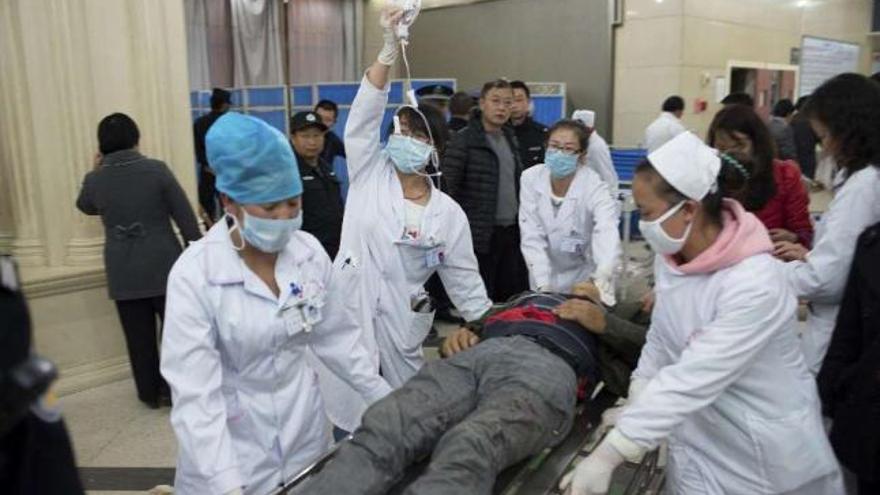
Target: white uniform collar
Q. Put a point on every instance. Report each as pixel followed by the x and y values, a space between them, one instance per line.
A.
pixel 224 265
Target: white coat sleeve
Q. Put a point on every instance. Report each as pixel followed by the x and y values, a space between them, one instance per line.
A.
pixel 822 277
pixel 191 365
pixel 363 131
pixel 460 272
pixel 336 340
pixel 605 238
pixel 534 242
pixel 749 313
pixel 599 155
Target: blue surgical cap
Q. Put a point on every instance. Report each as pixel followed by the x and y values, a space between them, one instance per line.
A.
pixel 252 161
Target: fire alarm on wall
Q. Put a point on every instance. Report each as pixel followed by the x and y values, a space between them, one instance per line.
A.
pixel 700 105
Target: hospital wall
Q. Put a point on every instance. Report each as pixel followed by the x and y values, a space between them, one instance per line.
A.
pixel 64 64
pixel 681 46
pixel 550 41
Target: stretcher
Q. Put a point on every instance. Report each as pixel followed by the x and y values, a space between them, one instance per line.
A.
pixel 541 474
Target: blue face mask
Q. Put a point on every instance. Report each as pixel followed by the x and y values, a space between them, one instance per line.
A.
pixel 267 234
pixel 560 163
pixel 409 155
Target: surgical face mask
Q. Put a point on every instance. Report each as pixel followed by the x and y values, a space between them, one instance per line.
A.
pixel 660 241
pixel 409 155
pixel 560 163
pixel 267 234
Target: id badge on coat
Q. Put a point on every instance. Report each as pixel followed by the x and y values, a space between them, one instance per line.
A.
pixel 434 257
pixel 573 245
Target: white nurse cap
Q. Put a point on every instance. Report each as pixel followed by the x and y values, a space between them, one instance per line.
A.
pixel 587 117
pixel 688 165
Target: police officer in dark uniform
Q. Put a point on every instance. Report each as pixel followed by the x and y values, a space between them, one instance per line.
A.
pixel 36 456
pixel 322 203
pixel 220 103
pixel 436 95
pixel 531 135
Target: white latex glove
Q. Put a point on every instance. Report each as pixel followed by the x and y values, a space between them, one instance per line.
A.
pixel 236 491
pixel 593 475
pixel 636 386
pixel 391 49
pixel 604 283
pixel 609 419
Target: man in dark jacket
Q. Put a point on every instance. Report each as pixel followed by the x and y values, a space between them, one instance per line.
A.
pixel 805 140
pixel 137 197
pixel 849 383
pixel 506 391
pixel 460 106
pixel 328 111
pixel 220 102
pixel 35 451
pixel 322 203
pixel 481 170
pixel 531 135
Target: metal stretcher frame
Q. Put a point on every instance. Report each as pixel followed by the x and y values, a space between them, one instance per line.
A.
pixel 539 474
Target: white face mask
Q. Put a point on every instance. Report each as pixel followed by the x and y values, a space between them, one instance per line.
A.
pixel 266 234
pixel 660 241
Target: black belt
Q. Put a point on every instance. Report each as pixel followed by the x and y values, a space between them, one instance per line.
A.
pixel 554 349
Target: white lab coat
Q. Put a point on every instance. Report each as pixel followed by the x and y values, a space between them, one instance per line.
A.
pixel 822 277
pixel 663 129
pixel 247 408
pixel 599 160
pixel 569 246
pixel 392 273
pixel 728 386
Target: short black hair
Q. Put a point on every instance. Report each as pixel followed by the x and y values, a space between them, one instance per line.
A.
pixel 461 103
pixel 674 103
pixel 521 85
pixel 220 97
pixel 117 132
pixel 783 108
pixel 739 98
pixel 328 105
pixel 744 119
pixel 496 84
pixel 848 105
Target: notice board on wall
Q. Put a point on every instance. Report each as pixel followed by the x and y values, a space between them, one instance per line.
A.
pixel 822 59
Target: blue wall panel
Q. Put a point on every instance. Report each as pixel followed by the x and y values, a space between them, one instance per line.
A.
pixel 301 96
pixel 275 118
pixel 265 97
pixel 548 109
pixel 341 93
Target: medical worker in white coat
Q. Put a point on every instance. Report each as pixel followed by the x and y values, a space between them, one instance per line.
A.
pixel 667 125
pixel 567 219
pixel 722 376
pixel 248 307
pixel 845 114
pixel 598 154
pixel 398 230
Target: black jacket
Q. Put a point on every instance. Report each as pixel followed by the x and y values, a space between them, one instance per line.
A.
pixel 849 382
pixel 456 124
pixel 322 204
pixel 207 190
pixel 532 138
pixel 470 175
pixel 333 147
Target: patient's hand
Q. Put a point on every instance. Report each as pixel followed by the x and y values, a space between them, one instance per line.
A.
pixel 586 289
pixel 459 340
pixel 586 313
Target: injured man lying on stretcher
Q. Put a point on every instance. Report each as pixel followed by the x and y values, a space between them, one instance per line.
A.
pixel 506 391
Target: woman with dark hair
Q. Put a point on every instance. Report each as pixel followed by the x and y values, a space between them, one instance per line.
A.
pixel 567 218
pixel 845 113
pixel 721 376
pixel 398 230
pixel 776 194
pixel 137 198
